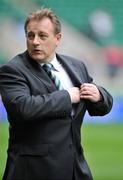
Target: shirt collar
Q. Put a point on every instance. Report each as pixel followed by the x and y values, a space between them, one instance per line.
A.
pixel 54 62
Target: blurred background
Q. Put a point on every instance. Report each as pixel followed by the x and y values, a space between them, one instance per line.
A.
pixel 93 32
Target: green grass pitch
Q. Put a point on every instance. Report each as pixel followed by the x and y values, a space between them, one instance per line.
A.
pixel 103 149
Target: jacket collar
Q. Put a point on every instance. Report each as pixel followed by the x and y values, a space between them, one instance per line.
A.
pixel 71 69
pixel 38 71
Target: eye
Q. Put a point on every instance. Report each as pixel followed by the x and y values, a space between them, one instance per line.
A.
pixel 43 36
pixel 30 35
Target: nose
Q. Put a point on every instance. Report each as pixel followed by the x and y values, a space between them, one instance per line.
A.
pixel 36 40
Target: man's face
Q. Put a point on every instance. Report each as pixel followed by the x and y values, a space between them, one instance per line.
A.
pixel 41 40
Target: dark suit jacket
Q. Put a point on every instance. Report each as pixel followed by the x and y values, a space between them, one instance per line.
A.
pixel 44 139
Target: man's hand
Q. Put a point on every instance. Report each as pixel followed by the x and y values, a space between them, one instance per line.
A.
pixel 74 93
pixel 90 92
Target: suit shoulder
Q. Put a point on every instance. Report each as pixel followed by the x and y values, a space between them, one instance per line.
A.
pixel 14 62
pixel 72 59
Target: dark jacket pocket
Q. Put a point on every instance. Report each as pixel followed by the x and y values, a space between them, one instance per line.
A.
pixel 29 160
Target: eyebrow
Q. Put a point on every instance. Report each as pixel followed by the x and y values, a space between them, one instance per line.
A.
pixel 42 32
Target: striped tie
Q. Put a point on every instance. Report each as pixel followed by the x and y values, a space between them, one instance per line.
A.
pixel 48 67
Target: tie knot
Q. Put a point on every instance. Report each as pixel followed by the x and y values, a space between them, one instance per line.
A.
pixel 48 66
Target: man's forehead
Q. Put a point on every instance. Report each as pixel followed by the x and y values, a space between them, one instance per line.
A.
pixel 43 25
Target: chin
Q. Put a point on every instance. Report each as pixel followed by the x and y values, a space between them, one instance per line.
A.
pixel 37 58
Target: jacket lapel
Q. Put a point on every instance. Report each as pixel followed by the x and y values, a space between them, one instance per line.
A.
pixel 72 70
pixel 77 80
pixel 38 71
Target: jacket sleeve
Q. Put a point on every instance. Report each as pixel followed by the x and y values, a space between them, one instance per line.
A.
pixel 20 103
pixel 101 107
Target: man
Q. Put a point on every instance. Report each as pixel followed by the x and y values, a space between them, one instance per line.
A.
pixel 45 122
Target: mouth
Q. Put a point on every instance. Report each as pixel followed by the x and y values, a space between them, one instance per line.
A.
pixel 37 51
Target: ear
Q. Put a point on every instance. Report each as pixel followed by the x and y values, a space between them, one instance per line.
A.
pixel 58 38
